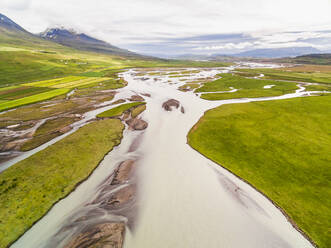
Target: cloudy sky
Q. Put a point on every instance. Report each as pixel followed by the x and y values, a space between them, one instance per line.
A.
pixel 184 26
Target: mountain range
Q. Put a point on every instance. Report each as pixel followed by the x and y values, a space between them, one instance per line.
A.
pixel 278 52
pixel 256 53
pixel 12 33
pixel 81 41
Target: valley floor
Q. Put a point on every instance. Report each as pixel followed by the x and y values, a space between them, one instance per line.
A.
pixel 153 184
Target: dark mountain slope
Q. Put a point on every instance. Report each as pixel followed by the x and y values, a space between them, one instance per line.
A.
pixel 82 42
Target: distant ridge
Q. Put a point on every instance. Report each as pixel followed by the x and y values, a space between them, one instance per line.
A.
pixel 277 52
pixel 12 33
pixel 317 59
pixel 271 53
pixel 82 41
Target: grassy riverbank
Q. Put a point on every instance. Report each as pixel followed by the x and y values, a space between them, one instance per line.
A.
pixel 30 188
pixel 119 110
pixel 246 87
pixel 306 73
pixel 283 148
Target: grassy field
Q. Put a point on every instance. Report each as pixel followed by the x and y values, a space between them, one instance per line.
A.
pixel 307 73
pixel 32 99
pixel 283 148
pixel 318 87
pixel 42 90
pixel 246 88
pixel 318 59
pixel 76 105
pixel 54 82
pixel 138 110
pixel 20 92
pixel 30 187
pixel 119 110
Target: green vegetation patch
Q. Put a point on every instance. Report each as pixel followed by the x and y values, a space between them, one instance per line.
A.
pixel 100 86
pixel 300 74
pixel 18 67
pixel 53 82
pixel 247 87
pixel 93 74
pixel 283 148
pixel 319 59
pixel 20 92
pixel 119 110
pixel 81 83
pixel 138 110
pixel 32 99
pixel 29 188
pixel 318 87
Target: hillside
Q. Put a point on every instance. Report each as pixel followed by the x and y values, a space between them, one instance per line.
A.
pixel 318 59
pixel 12 34
pixel 82 41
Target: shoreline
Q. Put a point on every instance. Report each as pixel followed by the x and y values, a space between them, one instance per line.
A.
pixel 74 188
pixel 289 219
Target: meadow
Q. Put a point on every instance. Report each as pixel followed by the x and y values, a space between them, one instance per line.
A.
pixel 119 110
pixel 307 73
pixel 32 99
pixel 28 93
pixel 138 110
pixel 31 187
pixel 247 88
pixel 282 148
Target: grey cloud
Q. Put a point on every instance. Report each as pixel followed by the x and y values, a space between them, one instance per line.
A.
pixel 179 26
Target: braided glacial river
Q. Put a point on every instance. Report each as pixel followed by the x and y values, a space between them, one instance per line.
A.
pixel 182 199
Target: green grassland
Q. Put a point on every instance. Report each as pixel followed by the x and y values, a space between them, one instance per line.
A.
pixel 119 110
pixel 29 92
pixel 308 73
pixel 30 187
pixel 32 99
pixel 138 110
pixel 62 106
pixel 19 92
pixel 317 59
pixel 318 87
pixel 247 87
pixel 283 148
pixel 53 82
